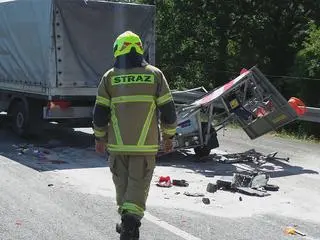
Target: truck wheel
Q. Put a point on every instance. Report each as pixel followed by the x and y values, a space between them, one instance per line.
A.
pixel 202 151
pixel 20 118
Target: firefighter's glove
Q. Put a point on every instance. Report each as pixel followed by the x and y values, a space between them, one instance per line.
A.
pixel 168 145
pixel 100 146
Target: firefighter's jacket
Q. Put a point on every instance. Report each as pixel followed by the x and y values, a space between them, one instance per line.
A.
pixel 129 105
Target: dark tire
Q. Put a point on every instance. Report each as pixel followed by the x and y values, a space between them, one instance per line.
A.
pixel 202 151
pixel 270 187
pixel 20 119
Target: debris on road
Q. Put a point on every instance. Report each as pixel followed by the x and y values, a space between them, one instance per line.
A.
pixel 270 187
pixel 253 184
pixel 293 231
pixel 225 182
pixel 164 181
pixel 252 192
pixel 29 149
pixel 22 148
pixel 248 156
pixel 212 187
pixel 259 180
pixel 180 183
pixel 193 194
pixel 43 155
pixel 206 200
pixel 252 180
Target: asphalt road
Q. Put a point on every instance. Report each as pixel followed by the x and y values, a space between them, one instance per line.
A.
pixel 67 192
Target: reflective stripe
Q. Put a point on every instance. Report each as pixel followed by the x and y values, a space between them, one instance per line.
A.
pixel 140 147
pixel 133 98
pixel 99 133
pixel 133 148
pixel 146 125
pixel 165 98
pixel 132 208
pixel 169 131
pixel 115 125
pixel 103 101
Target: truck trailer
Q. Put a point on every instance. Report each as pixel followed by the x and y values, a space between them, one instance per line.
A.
pixel 53 54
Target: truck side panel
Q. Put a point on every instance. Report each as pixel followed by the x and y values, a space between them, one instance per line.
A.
pixel 85 32
pixel 25 45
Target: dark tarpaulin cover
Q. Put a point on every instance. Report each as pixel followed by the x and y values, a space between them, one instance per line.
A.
pixel 87 32
pixel 25 42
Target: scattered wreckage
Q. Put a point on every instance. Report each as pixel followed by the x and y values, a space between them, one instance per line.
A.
pixel 253 184
pixel 248 156
pixel 250 180
pixel 250 100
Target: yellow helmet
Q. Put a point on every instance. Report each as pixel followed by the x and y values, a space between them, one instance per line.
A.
pixel 125 42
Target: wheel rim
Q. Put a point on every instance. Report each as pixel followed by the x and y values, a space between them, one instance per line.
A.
pixel 19 120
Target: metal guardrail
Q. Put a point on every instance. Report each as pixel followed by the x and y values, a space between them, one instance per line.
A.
pixel 312 115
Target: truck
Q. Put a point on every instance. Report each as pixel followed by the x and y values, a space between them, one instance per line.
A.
pixel 53 54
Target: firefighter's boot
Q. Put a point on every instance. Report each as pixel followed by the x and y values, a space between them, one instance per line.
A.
pixel 129 227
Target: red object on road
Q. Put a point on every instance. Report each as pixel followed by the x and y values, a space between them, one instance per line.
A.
pixel 164 181
pixel 298 105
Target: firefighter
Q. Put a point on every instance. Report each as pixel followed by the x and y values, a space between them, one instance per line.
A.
pixel 133 100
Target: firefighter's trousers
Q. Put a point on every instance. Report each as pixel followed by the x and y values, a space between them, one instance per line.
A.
pixel 132 176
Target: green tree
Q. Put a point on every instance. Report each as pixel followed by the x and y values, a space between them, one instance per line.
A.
pixel 307 66
pixel 207 42
pixel 307 69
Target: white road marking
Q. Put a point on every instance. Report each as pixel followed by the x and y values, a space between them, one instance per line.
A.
pixel 310 238
pixel 167 226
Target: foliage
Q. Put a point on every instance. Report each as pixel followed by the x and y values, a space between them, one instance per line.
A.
pixel 307 69
pixel 207 42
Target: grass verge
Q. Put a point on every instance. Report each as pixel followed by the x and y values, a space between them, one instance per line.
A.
pixel 282 133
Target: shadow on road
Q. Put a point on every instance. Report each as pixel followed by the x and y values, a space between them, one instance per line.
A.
pixel 60 148
pixel 211 167
pixel 53 149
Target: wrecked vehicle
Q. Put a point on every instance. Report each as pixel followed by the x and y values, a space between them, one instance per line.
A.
pixel 249 100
